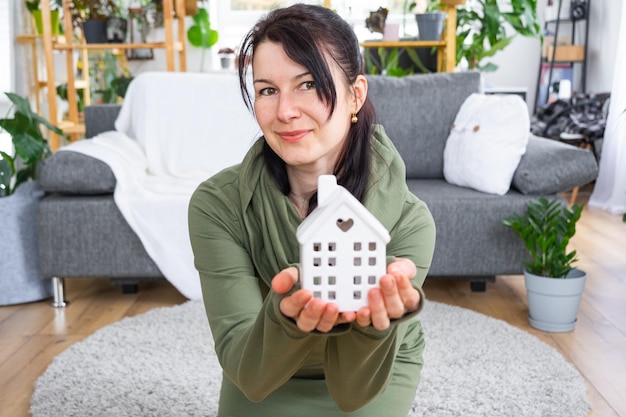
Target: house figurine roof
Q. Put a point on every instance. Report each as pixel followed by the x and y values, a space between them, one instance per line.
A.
pixel 331 196
pixel 342 248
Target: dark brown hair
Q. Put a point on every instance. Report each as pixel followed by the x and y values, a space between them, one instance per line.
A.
pixel 310 35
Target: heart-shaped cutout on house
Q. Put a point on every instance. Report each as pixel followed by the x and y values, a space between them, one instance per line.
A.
pixel 345 225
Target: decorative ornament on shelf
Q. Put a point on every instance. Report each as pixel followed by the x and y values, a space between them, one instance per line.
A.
pixel 376 21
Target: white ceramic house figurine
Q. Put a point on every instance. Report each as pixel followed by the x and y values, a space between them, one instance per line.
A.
pixel 342 248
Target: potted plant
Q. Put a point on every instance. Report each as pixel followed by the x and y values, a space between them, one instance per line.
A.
pixel 226 57
pixel 35 11
pixel 20 278
pixel 91 16
pixel 429 19
pixel 553 286
pixel 484 28
pixel 201 35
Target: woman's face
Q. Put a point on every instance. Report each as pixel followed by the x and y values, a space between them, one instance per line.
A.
pixel 294 120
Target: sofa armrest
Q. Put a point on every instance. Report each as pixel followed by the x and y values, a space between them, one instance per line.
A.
pixel 70 172
pixel 100 118
pixel 550 167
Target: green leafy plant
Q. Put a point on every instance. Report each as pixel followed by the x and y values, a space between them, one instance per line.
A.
pixel 109 81
pixel 200 33
pixel 62 91
pixel 431 5
pixel 33 5
pixel 34 8
pixel 30 145
pixel 546 229
pixel 82 10
pixel 387 62
pixel 120 84
pixel 483 29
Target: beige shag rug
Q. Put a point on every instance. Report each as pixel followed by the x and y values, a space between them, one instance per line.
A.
pixel 162 364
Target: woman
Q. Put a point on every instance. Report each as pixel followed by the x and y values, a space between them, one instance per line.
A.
pixel 284 353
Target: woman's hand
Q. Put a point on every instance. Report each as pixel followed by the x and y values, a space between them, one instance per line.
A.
pixel 308 312
pixel 393 299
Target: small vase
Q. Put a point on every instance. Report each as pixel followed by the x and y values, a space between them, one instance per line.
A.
pixel 553 302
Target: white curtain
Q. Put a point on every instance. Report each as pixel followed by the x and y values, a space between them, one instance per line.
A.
pixel 609 192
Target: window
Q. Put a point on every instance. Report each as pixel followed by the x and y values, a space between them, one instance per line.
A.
pixel 234 18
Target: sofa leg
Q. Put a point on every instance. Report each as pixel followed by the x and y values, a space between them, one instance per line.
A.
pixel 130 288
pixel 478 286
pixel 58 287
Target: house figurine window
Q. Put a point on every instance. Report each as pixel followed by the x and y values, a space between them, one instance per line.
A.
pixel 342 248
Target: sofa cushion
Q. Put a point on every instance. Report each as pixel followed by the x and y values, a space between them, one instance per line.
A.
pixel 417 112
pixel 549 167
pixel 486 143
pixel 74 173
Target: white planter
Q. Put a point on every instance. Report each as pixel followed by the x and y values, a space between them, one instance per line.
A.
pixel 20 276
pixel 553 302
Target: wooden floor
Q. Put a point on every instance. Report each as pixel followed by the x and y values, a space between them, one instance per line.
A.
pixel 32 335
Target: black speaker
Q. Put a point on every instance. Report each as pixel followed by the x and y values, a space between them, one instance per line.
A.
pixel 578 9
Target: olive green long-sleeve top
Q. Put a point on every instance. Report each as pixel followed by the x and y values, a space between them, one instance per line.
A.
pixel 243 232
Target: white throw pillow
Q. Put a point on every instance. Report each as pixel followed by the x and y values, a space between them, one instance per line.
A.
pixel 486 142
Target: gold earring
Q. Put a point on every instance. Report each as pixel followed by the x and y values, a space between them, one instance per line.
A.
pixel 354 118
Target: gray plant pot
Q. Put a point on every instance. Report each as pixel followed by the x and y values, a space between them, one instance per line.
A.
pixel 430 25
pixel 20 276
pixel 95 31
pixel 553 302
pixel 226 62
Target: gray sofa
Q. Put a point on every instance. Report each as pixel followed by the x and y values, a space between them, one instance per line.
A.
pixel 82 233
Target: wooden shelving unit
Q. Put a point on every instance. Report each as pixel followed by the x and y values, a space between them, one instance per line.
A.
pixel 174 46
pixel 446 47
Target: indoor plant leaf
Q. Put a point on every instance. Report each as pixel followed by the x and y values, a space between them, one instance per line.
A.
pixel 30 145
pixel 7 170
pixel 545 230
